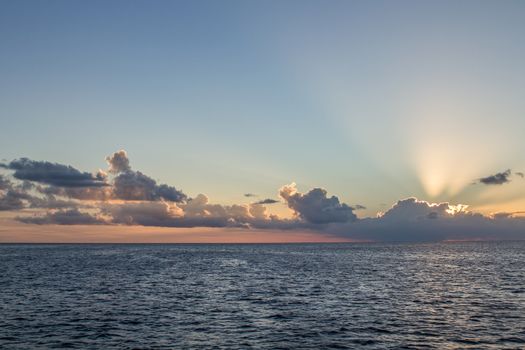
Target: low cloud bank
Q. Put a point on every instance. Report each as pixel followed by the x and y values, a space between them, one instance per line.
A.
pixel 44 193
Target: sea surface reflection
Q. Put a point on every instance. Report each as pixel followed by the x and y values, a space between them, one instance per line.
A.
pixel 369 296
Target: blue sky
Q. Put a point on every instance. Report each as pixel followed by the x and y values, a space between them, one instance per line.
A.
pixel 373 101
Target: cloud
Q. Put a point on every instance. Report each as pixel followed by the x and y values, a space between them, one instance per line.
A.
pixel 13 197
pixel 5 184
pixel 420 221
pixel 53 174
pixel 143 213
pixel 359 207
pixel 51 202
pixel 18 196
pixel 63 217
pixel 258 211
pixel 42 184
pixel 134 185
pixel 408 219
pixel 118 162
pixel 79 193
pixel 267 201
pixel 520 174
pixel 67 196
pixel 233 215
pixel 412 209
pixel 315 207
pixel 497 179
pixel 196 212
pixel 12 200
pixel 507 215
pixel 250 195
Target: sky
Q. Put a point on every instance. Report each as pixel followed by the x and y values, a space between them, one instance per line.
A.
pixel 261 120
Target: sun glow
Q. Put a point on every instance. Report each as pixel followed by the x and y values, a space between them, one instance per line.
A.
pixel 448 135
pixel 455 209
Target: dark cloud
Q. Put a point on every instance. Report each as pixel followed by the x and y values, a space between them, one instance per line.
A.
pixel 134 185
pixel 57 184
pixel 63 217
pixel 200 207
pixel 197 212
pixel 12 200
pixel 407 220
pixel 467 226
pixel 18 196
pixel 160 214
pixel 13 197
pixel 267 201
pixel 315 207
pixel 118 162
pixel 520 174
pixel 415 220
pixel 53 174
pixel 412 209
pixel 5 184
pixel 169 193
pixel 79 193
pixel 68 196
pixel 143 213
pixel 507 215
pixel 502 215
pixel 359 207
pixel 497 179
pixel 51 202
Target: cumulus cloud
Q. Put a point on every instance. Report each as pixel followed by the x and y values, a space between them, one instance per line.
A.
pixel 258 211
pixel 197 212
pixel 200 207
pixel 143 213
pixel 51 202
pixel 16 197
pixel 12 200
pixel 412 209
pixel 118 162
pixel 13 197
pixel 67 196
pixel 496 179
pixel 407 220
pixel 58 184
pixel 79 193
pixel 315 207
pixel 134 185
pixel 415 220
pixel 53 174
pixel 4 183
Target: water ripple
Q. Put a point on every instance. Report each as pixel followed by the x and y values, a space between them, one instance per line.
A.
pixel 310 296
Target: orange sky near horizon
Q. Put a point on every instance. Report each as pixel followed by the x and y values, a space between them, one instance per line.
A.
pixel 15 232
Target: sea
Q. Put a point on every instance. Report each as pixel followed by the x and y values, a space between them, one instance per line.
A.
pixel 455 295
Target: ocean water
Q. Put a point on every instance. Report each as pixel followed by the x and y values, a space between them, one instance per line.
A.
pixel 302 296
